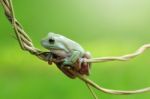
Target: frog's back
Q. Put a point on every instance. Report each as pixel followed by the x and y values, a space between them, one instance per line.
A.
pixel 67 43
pixel 72 45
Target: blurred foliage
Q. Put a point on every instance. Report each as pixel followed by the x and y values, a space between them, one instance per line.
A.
pixel 103 27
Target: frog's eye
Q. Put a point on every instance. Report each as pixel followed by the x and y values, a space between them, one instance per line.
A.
pixel 51 41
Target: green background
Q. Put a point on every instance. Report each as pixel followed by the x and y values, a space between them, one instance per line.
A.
pixel 103 27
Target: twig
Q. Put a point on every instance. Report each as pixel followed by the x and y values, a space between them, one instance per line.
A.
pixel 92 92
pixel 110 91
pixel 119 58
pixel 23 39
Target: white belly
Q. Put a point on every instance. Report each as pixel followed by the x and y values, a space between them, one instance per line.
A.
pixel 60 53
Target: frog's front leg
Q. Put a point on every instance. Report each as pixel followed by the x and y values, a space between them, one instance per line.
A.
pixel 48 57
pixel 75 55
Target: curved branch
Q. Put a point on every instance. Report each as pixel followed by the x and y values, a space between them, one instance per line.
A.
pixel 110 91
pixel 24 40
pixel 92 92
pixel 22 37
pixel 140 51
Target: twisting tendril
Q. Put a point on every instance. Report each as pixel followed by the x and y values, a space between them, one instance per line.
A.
pixel 27 45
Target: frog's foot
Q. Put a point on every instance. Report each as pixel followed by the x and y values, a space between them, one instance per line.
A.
pixel 81 61
pixel 67 63
pixel 50 62
pixel 84 67
pixel 50 59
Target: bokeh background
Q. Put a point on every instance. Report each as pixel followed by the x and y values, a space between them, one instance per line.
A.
pixel 103 27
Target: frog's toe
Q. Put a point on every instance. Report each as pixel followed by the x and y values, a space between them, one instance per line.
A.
pixel 50 62
pixel 66 63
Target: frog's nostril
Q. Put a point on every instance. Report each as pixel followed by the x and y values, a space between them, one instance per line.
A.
pixel 43 42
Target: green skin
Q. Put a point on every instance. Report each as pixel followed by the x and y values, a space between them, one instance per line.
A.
pixel 63 47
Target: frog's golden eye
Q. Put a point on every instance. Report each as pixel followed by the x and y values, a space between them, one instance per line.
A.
pixel 51 41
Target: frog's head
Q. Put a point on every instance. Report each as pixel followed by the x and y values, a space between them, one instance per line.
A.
pixel 53 41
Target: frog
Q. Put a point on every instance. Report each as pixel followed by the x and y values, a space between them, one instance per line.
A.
pixel 70 53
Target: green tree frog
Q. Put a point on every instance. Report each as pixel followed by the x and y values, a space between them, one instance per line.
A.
pixel 66 50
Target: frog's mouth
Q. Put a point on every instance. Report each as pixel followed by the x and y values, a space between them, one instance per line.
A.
pixel 53 47
pixel 49 46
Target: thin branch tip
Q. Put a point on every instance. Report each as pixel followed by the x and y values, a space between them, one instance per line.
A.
pixel 110 91
pixel 127 57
